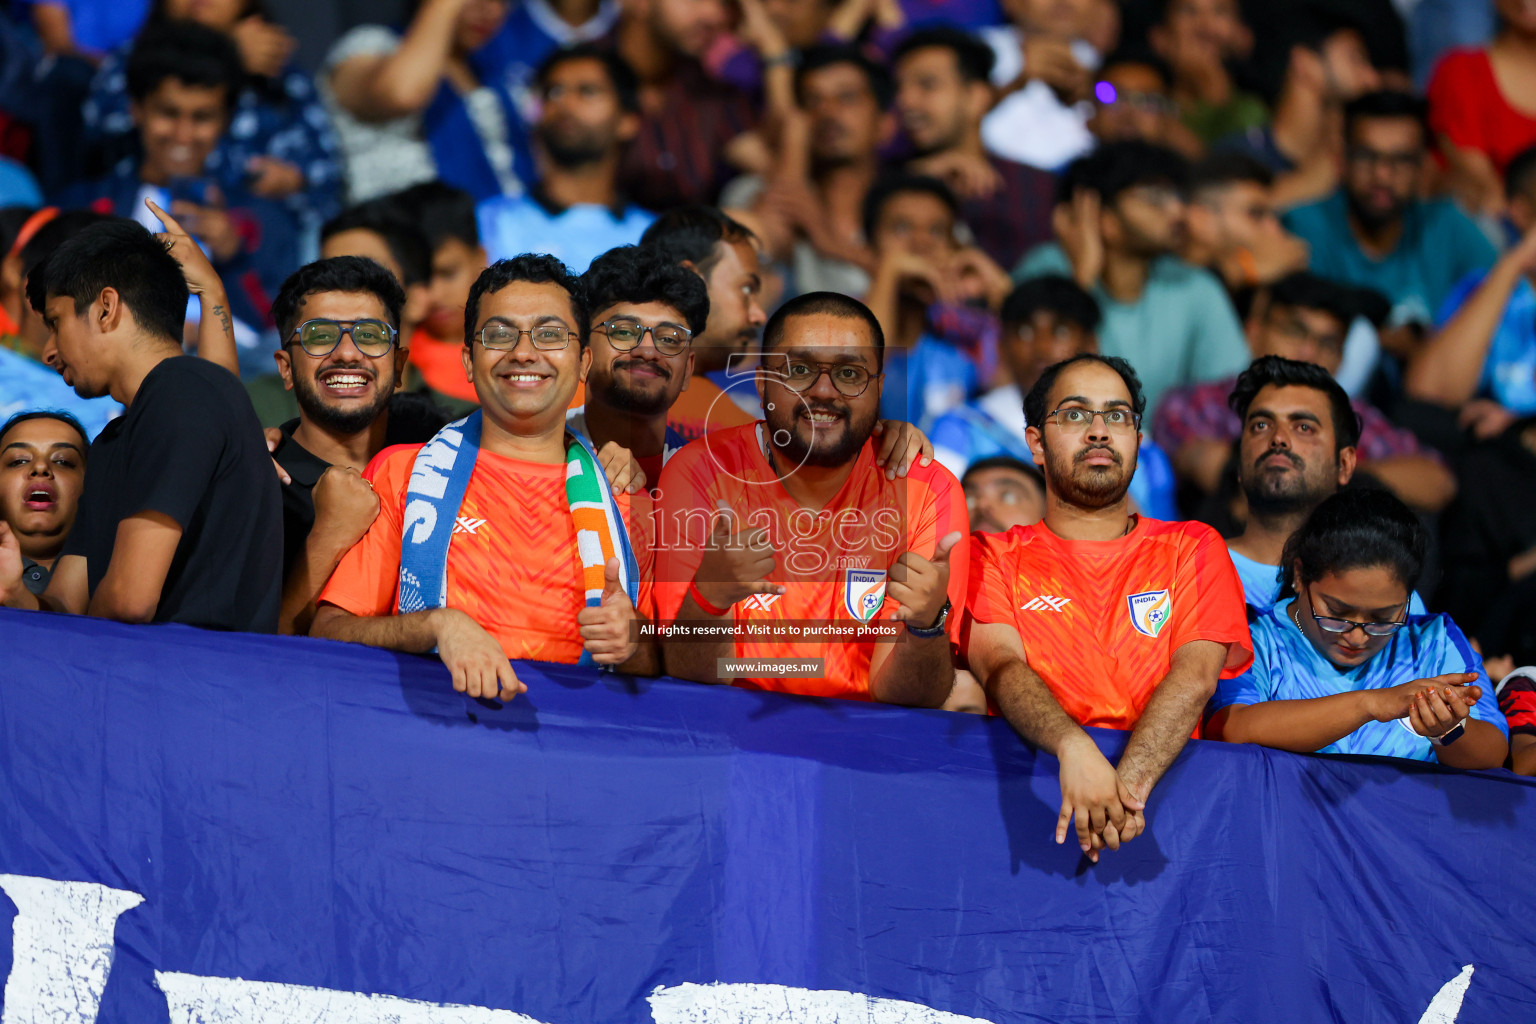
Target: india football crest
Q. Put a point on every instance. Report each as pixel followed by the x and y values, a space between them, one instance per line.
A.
pixel 1150 611
pixel 863 592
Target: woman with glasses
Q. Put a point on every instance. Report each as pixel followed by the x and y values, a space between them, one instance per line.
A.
pixel 1341 668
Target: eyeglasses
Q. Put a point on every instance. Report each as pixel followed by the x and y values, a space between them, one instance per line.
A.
pixel 1075 417
pixel 1397 162
pixel 1329 624
pixel 500 336
pixel 800 375
pixel 1107 96
pixel 625 335
pixel 319 337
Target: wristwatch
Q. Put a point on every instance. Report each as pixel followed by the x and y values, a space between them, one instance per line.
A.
pixel 937 629
pixel 1450 735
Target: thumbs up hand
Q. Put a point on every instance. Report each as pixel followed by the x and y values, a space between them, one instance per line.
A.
pixel 606 628
pixel 736 564
pixel 920 585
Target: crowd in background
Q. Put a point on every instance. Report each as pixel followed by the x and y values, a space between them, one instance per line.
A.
pixel 1299 235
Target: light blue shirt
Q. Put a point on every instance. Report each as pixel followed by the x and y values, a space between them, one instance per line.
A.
pixel 1261 585
pixel 1509 371
pixel 1287 667
pixel 26 385
pixel 575 236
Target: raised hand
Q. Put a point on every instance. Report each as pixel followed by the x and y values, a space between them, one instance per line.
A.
pixel 201 278
pixel 921 585
pixel 345 506
pixel 1077 229
pixel 736 564
pixel 607 629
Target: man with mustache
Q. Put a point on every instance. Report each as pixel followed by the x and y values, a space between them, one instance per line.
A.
pixel 1128 621
pixel 792 561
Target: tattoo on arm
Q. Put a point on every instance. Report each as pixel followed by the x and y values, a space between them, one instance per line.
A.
pixel 223 315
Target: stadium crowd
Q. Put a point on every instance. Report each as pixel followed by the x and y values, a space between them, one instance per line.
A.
pixel 1159 365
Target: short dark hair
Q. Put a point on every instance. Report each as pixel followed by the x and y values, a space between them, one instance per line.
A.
pixel 1117 167
pixel 338 274
pixel 443 213
pixel 900 183
pixel 825 55
pixel 1305 290
pixel 1227 167
pixel 691 233
pixel 534 268
pixel 46 414
pixel 632 273
pixel 1055 294
pixel 626 84
pixel 1520 173
pixel 120 254
pixel 1139 54
pixel 54 234
pixel 1280 372
pixel 833 304
pixel 403 237
pixel 1004 462
pixel 1312 23
pixel 191 53
pixel 1357 528
pixel 973 56
pixel 1035 411
pixel 1386 103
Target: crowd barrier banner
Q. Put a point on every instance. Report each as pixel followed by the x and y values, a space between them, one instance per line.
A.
pixel 208 829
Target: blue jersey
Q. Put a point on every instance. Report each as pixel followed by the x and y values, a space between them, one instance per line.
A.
pixel 1261 584
pixel 1287 667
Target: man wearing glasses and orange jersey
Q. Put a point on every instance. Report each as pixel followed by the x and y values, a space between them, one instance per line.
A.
pixel 1097 616
pixel 786 558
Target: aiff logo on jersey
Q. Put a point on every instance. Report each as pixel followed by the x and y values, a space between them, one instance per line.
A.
pixel 1150 611
pixel 863 592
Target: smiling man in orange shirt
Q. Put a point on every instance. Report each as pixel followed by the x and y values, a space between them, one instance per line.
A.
pixel 1096 616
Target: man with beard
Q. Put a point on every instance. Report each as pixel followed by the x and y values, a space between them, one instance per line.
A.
pixel 1128 621
pixel 589 112
pixel 1375 231
pixel 343 361
pixel 783 547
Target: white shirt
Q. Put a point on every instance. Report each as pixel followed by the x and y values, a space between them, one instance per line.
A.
pixel 1031 125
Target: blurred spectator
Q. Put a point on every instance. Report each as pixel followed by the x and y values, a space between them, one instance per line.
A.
pixel 1484 352
pixel 1376 232
pixel 1119 220
pixel 446 215
pixel 532 31
pixel 803 25
pixel 1132 100
pixel 42 470
pixel 1197 38
pixel 409 107
pixel 1054 609
pixel 1302 318
pixel 942 93
pixel 1342 667
pixel 1435 26
pixel 1045 320
pixel 1517 700
pixel 589 112
pixel 1043 72
pixel 26 380
pixel 1002 492
pixel 815 205
pixel 726 256
pixel 1478 126
pixel 180 519
pixel 278 144
pixel 380 232
pixel 181 79
pixel 342 359
pixel 86 28
pixel 1233 229
pixel 17 186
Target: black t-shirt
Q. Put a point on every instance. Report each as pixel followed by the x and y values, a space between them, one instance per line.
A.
pixel 413 419
pixel 190 447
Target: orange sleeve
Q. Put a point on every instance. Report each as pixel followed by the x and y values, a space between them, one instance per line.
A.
pixel 365 581
pixel 682 528
pixel 1209 602
pixel 989 593
pixel 942 512
pixel 639 517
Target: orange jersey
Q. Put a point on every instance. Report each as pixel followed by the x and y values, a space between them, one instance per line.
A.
pixel 513 566
pixel 705 407
pixel 1100 620
pixel 441 366
pixel 833 562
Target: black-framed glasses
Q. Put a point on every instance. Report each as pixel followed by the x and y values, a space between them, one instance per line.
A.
pixel 625 334
pixel 1400 162
pixel 320 336
pixel 800 375
pixel 500 336
pixel 1075 417
pixel 1331 624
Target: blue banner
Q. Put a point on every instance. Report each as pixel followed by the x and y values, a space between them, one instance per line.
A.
pixel 206 828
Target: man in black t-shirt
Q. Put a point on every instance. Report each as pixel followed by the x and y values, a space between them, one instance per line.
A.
pixel 180 518
pixel 343 361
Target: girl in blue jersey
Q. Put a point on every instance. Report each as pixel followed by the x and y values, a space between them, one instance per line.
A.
pixel 1339 665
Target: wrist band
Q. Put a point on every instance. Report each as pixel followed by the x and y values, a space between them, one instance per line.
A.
pixel 698 599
